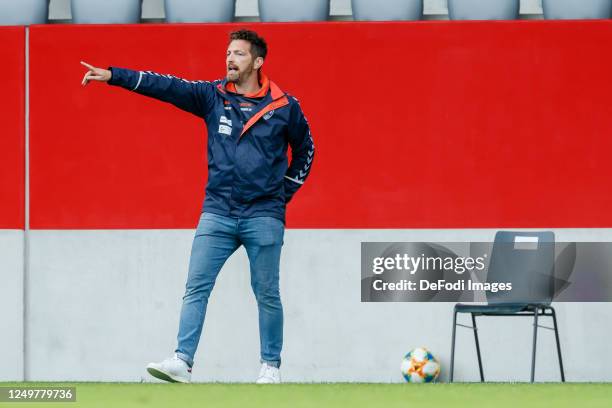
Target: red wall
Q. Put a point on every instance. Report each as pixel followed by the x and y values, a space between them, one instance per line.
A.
pixel 417 125
pixel 12 130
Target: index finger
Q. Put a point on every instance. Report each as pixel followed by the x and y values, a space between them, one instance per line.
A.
pixel 87 65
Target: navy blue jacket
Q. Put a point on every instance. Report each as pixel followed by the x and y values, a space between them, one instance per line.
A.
pixel 248 172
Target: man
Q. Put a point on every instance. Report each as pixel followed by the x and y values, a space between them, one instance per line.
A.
pixel 250 124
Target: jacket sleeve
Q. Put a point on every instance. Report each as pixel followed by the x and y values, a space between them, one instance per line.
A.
pixel 192 96
pixel 302 152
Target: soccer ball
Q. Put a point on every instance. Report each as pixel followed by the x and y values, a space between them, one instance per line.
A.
pixel 419 366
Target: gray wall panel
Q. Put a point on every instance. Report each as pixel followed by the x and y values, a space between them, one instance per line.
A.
pixel 105 303
pixel 11 305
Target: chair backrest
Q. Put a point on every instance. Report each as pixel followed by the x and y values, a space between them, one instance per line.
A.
pixel 106 12
pixel 483 9
pixel 293 10
pixel 196 11
pixel 577 9
pixel 526 259
pixel 24 12
pixel 387 10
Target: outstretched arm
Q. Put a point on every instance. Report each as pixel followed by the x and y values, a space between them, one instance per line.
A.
pixel 191 96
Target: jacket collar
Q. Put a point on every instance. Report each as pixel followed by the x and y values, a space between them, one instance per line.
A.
pixel 226 87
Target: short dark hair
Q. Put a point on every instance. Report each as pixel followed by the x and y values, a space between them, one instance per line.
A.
pixel 259 48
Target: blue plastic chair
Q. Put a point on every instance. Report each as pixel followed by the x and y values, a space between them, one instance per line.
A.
pixel 293 10
pixel 106 11
pixel 483 9
pixel 200 11
pixel 387 10
pixel 24 12
pixel 577 9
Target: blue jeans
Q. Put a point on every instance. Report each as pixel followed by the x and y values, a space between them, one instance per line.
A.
pixel 216 238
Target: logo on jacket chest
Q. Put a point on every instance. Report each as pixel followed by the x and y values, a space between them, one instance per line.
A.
pixel 268 115
pixel 225 125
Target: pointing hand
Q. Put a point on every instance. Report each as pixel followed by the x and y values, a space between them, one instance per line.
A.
pixel 95 74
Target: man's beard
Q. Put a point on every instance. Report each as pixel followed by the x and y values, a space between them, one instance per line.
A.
pixel 233 76
pixel 237 76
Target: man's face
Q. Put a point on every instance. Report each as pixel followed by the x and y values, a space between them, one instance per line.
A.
pixel 239 61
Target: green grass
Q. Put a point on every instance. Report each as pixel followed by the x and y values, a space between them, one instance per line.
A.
pixel 495 395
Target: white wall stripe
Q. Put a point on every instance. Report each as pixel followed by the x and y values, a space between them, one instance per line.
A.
pixel 26 235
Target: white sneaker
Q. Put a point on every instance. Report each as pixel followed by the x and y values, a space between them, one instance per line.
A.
pixel 268 375
pixel 172 369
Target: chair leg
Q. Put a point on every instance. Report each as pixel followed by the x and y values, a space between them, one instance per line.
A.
pixel 554 316
pixel 452 362
pixel 535 340
pixel 477 347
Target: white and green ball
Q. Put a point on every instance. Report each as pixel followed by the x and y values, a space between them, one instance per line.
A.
pixel 419 366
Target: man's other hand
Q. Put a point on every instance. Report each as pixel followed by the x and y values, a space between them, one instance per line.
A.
pixel 95 74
